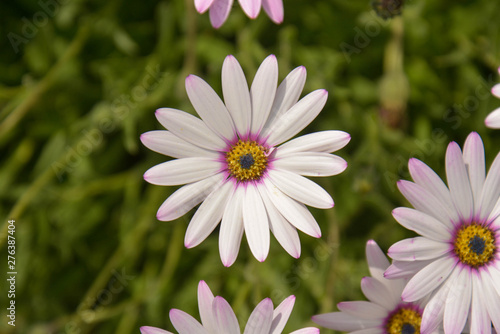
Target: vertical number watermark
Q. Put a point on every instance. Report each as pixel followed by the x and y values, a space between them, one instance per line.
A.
pixel 11 273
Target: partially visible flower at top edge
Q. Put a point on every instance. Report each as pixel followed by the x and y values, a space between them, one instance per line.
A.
pixel 235 164
pixel 217 317
pixel 385 312
pixel 493 119
pixel 387 9
pixel 219 9
pixel 456 260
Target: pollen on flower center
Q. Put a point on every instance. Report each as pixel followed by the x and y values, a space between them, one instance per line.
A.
pixel 247 160
pixel 475 245
pixel 405 320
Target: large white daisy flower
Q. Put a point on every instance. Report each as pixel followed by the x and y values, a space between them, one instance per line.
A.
pixel 219 9
pixel 385 312
pixel 456 260
pixel 217 317
pixel 234 161
pixel 493 119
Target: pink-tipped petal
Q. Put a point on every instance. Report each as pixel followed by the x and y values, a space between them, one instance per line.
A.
pixel 225 317
pixel 297 118
pixel 262 92
pixel 458 182
pixel 261 318
pixel 479 318
pixel 474 161
pixel 422 223
pixel 208 216
pixel 274 9
pixel 231 229
pixel 301 189
pixel 205 300
pixel 185 324
pixel 458 302
pixel 210 107
pixel 323 141
pixel 153 330
pixel 311 164
pixel 496 90
pixel 377 293
pixel 187 197
pixel 236 95
pixel 377 261
pixel 202 5
pixel 287 95
pixel 219 11
pixel 429 278
pixel 368 310
pixel 405 269
pixel 165 142
pixel 281 315
pixel 251 7
pixel 491 189
pixel 182 171
pixel 493 119
pixel 344 322
pixel 256 223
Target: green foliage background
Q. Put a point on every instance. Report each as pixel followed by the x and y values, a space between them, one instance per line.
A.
pixel 84 84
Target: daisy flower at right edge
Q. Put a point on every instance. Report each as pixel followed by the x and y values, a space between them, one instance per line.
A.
pixel 493 119
pixel 385 312
pixel 455 261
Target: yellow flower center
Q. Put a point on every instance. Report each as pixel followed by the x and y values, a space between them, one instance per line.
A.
pixel 404 321
pixel 475 245
pixel 247 160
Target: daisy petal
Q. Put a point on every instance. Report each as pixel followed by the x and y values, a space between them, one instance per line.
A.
pixel 205 300
pixel 153 330
pixel 425 177
pixel 417 249
pixel 187 197
pixel 251 7
pixel 274 9
pixel 377 293
pixel 182 171
pixel 422 223
pixel 297 118
pixel 185 324
pixel 493 119
pixel 202 5
pixel 301 189
pixel 284 232
pixel 458 302
pixel 225 317
pixel 261 318
pixel 479 319
pixel 210 107
pixel 344 322
pixel 287 95
pixel 424 201
pixel 263 91
pixel 368 310
pixel 281 315
pixel 458 182
pixel 236 95
pixel 429 278
pixel 296 213
pixel 377 261
pixel 323 141
pixel 474 161
pixel 404 269
pixel 308 330
pixel 219 11
pixel 491 297
pixel 208 215
pixel 231 229
pixel 165 142
pixel 190 128
pixel 311 164
pixel 369 331
pixel 491 189
pixel 433 312
pixel 256 223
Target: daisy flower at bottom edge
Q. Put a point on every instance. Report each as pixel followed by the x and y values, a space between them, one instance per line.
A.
pixel 217 317
pixel 385 312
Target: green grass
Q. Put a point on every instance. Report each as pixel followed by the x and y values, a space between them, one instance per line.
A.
pixel 91 256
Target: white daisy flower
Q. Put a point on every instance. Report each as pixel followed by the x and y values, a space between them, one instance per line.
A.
pixel 234 161
pixel 493 119
pixel 217 317
pixel 385 312
pixel 456 260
